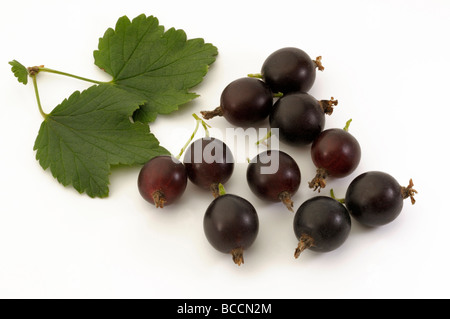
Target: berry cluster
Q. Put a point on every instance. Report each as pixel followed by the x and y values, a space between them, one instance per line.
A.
pixel 321 223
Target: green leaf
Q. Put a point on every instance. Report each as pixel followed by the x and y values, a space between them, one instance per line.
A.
pixel 20 71
pixel 90 131
pixel 160 66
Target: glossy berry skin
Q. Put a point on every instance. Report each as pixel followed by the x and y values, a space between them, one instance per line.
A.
pixel 321 224
pixel 208 162
pixel 162 180
pixel 246 101
pixel 299 118
pixel 374 198
pixel 336 153
pixel 289 70
pixel 231 225
pixel 274 176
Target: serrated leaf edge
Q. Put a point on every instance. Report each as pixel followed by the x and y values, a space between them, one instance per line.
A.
pixel 20 71
pixel 46 162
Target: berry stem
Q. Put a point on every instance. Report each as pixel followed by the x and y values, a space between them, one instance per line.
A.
pixel 319 181
pixel 304 243
pixel 327 105
pixel 207 115
pixel 347 124
pixel 409 191
pixel 265 138
pixel 221 189
pixel 159 199
pixel 238 256
pixel 204 124
pixel 279 94
pixel 285 197
pixel 205 127
pixel 217 189
pixel 340 200
pixel 255 75
pixel 318 62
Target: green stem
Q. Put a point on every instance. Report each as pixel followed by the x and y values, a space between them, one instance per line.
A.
pixel 36 91
pixel 70 75
pixel 268 135
pixel 255 75
pixel 222 190
pixel 205 126
pixel 347 124
pixel 279 94
pixel 340 200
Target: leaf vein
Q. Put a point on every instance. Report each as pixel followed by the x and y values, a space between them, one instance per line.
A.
pixel 119 146
pixel 138 45
pixel 149 70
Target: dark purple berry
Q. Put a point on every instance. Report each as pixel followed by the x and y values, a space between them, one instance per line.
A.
pixel 244 102
pixel 208 162
pixel 231 225
pixel 290 70
pixel 376 198
pixel 299 117
pixel 321 224
pixel 275 176
pixel 162 180
pixel 335 152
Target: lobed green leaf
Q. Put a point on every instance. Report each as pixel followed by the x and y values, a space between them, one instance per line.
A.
pixel 160 66
pixel 90 131
pixel 152 70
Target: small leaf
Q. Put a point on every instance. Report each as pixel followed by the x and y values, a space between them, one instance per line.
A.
pixel 20 71
pixel 90 131
pixel 159 66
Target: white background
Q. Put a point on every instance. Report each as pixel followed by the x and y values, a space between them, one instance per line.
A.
pixel 387 62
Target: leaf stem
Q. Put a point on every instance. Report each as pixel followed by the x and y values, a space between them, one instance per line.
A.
pixel 70 75
pixel 36 91
pixel 205 126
